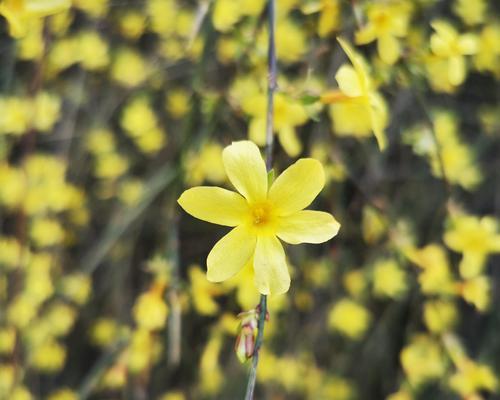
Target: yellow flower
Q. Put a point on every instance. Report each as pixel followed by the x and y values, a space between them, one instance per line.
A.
pixel 423 360
pixel 488 54
pixel 211 374
pixel 20 393
pixel 63 394
pixel 129 69
pixel 205 165
pixel 477 291
pixel 472 12
pixel 476 238
pixel 150 310
pixel 226 13
pixel 389 279
pixel 7 340
pixel 104 332
pixel 349 318
pixel 386 23
pixel 260 215
pixel 132 24
pixel 440 315
pixel 76 287
pixel 93 51
pixel 436 277
pixel 46 111
pixel 46 232
pixel 329 18
pixel 178 103
pixel 48 357
pixel 10 252
pixel 471 378
pixel 355 282
pixel 94 8
pixel 374 225
pixel 16 116
pixel 203 292
pixel 358 94
pixel 449 45
pixel 18 13
pixel 288 114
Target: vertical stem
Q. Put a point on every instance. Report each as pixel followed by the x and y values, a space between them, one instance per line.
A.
pixel 271 84
pixel 271 88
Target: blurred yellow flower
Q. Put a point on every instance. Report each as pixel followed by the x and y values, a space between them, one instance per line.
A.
pixel 472 12
pixel 358 98
pixel 260 214
pixel 49 357
pixel 436 277
pixel 93 51
pixel 211 378
pixel 20 13
pixel 46 232
pixel 129 68
pixel 440 315
pixel 76 287
pixel 203 292
pixel 487 57
pixel 473 378
pixel 132 24
pixel 63 394
pixel 177 102
pixel 226 13
pixel 94 8
pixel 288 114
pixel 475 238
pixel 449 45
pixel 10 252
pixel 355 282
pixel 46 111
pixel 104 332
pixel 423 360
pixel 206 164
pixel 20 393
pixel 150 310
pixel 349 318
pixel 389 279
pixel 387 22
pixel 477 291
pixel 7 340
pixel 374 225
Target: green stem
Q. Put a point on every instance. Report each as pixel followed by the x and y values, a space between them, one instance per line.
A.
pixel 252 378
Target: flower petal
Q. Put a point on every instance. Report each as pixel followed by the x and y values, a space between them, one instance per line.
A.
pixel 47 7
pixel 271 271
pixel 378 117
pixel 307 227
pixel 230 254
pixel 297 186
pixel 214 204
pixel 257 131
pixel 289 140
pixel 348 81
pixel 357 62
pixel 388 49
pixel 457 70
pixel 246 170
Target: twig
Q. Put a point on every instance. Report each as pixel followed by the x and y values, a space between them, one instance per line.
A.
pixel 271 88
pixel 96 372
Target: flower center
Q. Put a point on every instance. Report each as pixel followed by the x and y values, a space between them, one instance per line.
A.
pixel 260 215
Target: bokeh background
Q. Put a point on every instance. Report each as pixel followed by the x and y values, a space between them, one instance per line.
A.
pixel 109 109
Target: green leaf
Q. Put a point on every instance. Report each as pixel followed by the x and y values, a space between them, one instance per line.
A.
pixel 270 178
